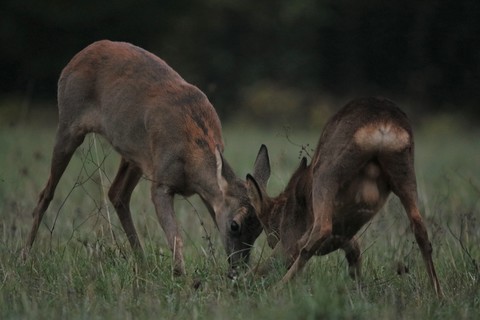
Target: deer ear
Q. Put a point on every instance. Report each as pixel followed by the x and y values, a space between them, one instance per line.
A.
pixel 255 194
pixel 261 169
pixel 222 182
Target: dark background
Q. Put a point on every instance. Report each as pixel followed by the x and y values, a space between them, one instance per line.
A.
pixel 249 55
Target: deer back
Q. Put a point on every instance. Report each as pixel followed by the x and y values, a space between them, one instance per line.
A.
pixel 372 124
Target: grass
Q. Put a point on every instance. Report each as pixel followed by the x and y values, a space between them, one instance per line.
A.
pixel 81 266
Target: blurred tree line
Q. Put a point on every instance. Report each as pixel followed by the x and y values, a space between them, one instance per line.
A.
pixel 264 54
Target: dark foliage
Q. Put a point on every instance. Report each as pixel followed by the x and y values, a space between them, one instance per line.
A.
pixel 422 51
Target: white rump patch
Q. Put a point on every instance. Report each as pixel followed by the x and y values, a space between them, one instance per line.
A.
pixel 385 136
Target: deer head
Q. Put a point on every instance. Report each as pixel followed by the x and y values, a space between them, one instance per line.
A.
pixel 238 224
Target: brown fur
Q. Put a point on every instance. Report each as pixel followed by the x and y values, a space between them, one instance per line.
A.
pixel 364 153
pixel 164 128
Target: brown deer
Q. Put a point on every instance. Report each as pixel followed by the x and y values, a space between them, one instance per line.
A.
pixel 364 153
pixel 164 129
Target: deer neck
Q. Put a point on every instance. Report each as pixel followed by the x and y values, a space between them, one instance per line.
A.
pixel 214 200
pixel 296 199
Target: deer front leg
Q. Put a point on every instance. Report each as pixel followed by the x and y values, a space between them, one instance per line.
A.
pixel 163 200
pixel 352 253
pixel 321 231
pixel 318 236
pixel 264 267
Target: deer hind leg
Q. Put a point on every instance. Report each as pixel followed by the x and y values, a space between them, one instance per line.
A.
pixel 264 267
pixel 401 174
pixel 65 145
pixel 163 200
pixel 120 193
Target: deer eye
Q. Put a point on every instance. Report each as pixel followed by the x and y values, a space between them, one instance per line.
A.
pixel 234 227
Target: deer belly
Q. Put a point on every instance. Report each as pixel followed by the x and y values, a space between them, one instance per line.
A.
pixel 360 201
pixel 350 219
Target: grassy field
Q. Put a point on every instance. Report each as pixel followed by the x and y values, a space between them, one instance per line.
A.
pixel 81 266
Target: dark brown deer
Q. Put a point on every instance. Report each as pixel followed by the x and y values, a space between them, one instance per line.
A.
pixel 164 129
pixel 364 153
